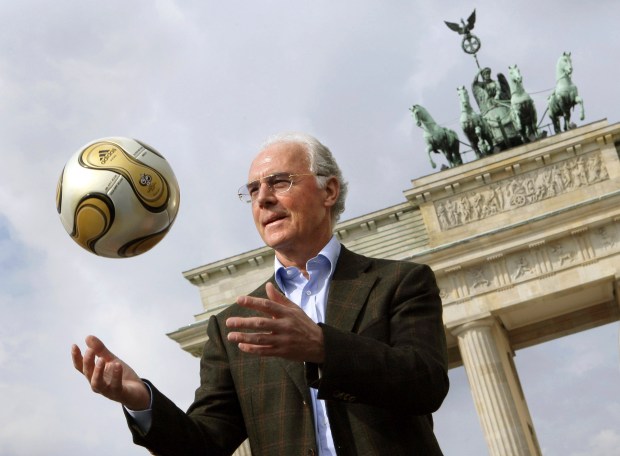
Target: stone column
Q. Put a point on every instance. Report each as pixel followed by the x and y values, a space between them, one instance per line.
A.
pixel 498 397
pixel 244 449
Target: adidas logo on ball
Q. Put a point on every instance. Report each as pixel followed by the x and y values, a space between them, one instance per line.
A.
pixel 104 155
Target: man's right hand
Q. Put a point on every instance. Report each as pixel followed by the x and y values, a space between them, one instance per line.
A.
pixel 110 376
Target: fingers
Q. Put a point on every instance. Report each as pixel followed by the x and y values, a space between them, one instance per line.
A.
pixel 88 363
pixel 285 330
pixel 93 361
pixel 255 331
pixel 116 380
pixel 96 378
pixel 106 378
pixel 260 324
pixel 76 357
pixel 102 373
pixel 275 305
pixel 98 347
pixel 109 376
pixel 275 295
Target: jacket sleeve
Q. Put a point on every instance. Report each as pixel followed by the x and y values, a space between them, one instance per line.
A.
pixel 395 356
pixel 213 424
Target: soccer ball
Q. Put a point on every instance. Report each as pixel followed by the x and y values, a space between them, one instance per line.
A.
pixel 117 197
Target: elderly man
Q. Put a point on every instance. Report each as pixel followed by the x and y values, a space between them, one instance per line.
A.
pixel 336 354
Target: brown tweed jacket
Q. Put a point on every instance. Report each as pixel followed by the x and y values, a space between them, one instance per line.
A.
pixel 385 373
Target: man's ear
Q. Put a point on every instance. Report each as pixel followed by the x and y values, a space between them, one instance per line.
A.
pixel 332 190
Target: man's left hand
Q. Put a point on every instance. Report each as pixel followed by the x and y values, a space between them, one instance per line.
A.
pixel 285 331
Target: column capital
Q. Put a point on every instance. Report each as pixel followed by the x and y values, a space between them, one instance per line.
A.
pixel 481 320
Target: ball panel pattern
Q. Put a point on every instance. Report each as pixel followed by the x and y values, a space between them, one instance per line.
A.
pixel 94 215
pixel 139 246
pixel 149 185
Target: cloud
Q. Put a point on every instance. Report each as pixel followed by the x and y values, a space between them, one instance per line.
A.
pixel 205 83
pixel 604 443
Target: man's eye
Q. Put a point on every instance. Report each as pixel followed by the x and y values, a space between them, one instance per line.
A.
pixel 280 182
pixel 252 188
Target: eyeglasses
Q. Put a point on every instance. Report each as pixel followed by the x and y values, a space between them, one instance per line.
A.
pixel 277 183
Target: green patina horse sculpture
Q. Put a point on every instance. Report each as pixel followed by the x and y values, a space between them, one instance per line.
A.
pixel 523 110
pixel 438 139
pixel 565 96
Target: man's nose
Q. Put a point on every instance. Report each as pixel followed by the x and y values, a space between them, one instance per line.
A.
pixel 265 193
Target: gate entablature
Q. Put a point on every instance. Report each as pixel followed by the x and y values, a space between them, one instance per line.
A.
pixel 531 236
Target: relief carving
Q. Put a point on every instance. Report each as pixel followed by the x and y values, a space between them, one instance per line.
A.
pixel 560 254
pixel 444 294
pixel 478 277
pixel 605 237
pixel 522 190
pixel 522 266
pixel 501 272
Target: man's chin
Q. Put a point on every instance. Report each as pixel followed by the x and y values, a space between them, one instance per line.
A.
pixel 274 238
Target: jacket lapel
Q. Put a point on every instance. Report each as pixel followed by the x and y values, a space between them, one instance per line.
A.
pixel 349 290
pixel 296 372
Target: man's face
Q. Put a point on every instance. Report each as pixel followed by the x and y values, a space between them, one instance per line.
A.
pixel 296 222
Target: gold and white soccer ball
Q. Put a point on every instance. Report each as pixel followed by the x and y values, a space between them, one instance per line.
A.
pixel 117 197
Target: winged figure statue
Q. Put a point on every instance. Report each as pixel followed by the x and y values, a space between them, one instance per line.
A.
pixel 470 43
pixel 463 28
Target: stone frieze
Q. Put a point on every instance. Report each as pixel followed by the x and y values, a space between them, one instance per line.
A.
pixel 518 191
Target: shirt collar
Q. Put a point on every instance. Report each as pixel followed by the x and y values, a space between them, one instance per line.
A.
pixel 331 252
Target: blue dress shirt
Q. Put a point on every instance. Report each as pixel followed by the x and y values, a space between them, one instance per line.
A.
pixel 311 295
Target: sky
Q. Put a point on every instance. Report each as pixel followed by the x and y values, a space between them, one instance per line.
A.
pixel 205 82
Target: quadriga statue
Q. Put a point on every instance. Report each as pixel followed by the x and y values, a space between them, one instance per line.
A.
pixel 565 96
pixel 437 138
